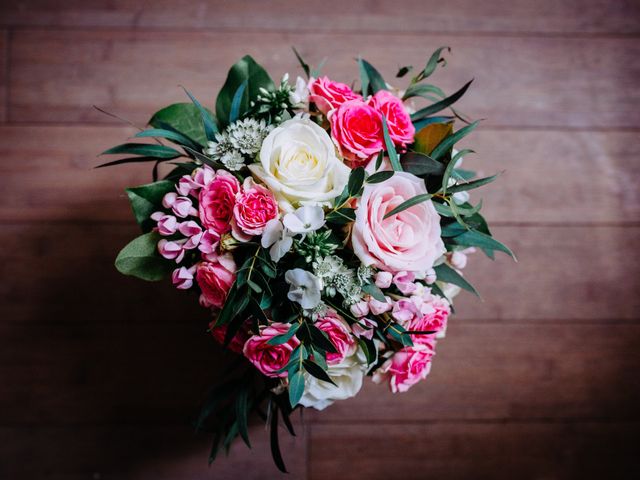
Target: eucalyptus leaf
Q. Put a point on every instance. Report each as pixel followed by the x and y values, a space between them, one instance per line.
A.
pixel 374 291
pixel 296 387
pixel 208 122
pixel 169 135
pixel 441 105
pixel 474 238
pixel 448 143
pixel 144 150
pixel 444 273
pixel 461 187
pixel 356 180
pixel 420 164
pixel 303 64
pixel 433 61
pixel 316 370
pixel 421 90
pixel 374 81
pixel 391 149
pixel 380 177
pixel 423 197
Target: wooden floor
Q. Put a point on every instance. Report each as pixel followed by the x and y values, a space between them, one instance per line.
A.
pixel 101 374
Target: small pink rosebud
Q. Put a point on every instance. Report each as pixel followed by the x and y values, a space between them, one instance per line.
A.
pixel 430 277
pixel 363 328
pixel 404 310
pixel 167 225
pixel 383 279
pixel 377 307
pixel 458 260
pixel 171 250
pixel 404 282
pixel 360 309
pixel 169 199
pixel 183 207
pixel 182 277
pixel 208 242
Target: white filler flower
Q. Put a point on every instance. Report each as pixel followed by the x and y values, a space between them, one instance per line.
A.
pixel 305 288
pixel 305 219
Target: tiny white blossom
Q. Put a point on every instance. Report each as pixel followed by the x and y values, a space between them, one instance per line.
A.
pixel 276 237
pixel 300 94
pixel 305 287
pixel 233 160
pixel 305 219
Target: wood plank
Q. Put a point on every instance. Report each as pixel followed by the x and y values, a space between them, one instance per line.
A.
pixel 120 372
pixel 520 81
pixel 135 452
pixel 571 273
pixel 568 16
pixel 479 451
pixel 593 175
pixel 4 66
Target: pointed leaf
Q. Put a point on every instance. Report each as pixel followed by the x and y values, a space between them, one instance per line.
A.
pixel 444 273
pixel 391 149
pixel 441 105
pixel 409 203
pixel 145 150
pixel 140 258
pixel 448 143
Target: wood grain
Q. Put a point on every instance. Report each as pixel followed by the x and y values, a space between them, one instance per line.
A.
pixel 479 451
pixel 567 16
pixel 48 175
pixel 4 67
pixel 134 452
pixel 135 373
pixel 519 82
pixel 563 273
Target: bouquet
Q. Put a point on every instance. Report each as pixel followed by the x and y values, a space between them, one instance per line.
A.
pixel 323 228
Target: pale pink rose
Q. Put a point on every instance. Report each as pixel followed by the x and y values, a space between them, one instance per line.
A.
pixel 254 207
pixel 270 358
pixel 427 313
pixel 327 94
pixel 404 282
pixel 407 241
pixel 182 277
pixel 401 129
pixel 215 277
pixel 406 367
pixel 359 309
pixel 217 200
pixel 237 342
pixel 356 127
pixel 340 336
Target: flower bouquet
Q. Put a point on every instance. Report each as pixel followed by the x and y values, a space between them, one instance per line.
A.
pixel 323 227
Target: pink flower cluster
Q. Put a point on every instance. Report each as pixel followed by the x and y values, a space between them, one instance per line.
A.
pixel 207 205
pixel 356 123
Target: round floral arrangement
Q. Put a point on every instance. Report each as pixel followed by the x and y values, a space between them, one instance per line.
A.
pixel 324 228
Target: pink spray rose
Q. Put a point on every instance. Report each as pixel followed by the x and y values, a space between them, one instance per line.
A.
pixel 215 277
pixel 340 336
pixel 237 342
pixel 254 207
pixel 327 94
pixel 428 313
pixel 401 129
pixel 270 358
pixel 217 200
pixel 357 129
pixel 406 367
pixel 407 241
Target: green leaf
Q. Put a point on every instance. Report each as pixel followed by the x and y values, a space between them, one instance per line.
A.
pixel 208 122
pixel 356 180
pixel 273 437
pixel 341 216
pixel 472 184
pixel 421 90
pixel 303 64
pixel 235 103
pixel 128 160
pixel 445 273
pixel 184 118
pixel 374 81
pixel 448 143
pixel 461 174
pixel 441 105
pixel 320 339
pixel 285 337
pixel 316 370
pixel 169 135
pixel 423 197
pixel 420 164
pixel 245 70
pixel 391 149
pixel 451 166
pixel 452 229
pixel 369 349
pixel 296 387
pixel 443 210
pixel 403 71
pixel 242 412
pixel 144 150
pixel 474 238
pixel 428 138
pixel 380 177
pixel 146 199
pixel 433 62
pixel 374 291
pixel 379 159
pixel 140 258
pixel 420 124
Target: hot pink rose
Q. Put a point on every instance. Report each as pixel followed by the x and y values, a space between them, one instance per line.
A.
pixel 217 200
pixel 401 129
pixel 327 94
pixel 357 129
pixel 254 207
pixel 340 336
pixel 237 342
pixel 406 367
pixel 270 358
pixel 409 240
pixel 215 278
pixel 424 314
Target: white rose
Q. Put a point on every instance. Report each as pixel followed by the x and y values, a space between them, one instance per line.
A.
pixel 298 162
pixel 347 375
